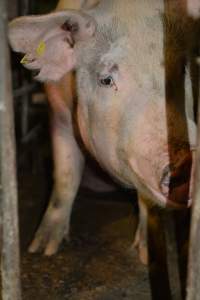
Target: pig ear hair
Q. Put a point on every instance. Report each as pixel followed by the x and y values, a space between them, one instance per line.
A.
pixel 49 41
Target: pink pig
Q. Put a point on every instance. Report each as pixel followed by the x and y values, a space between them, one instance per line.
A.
pixel 129 58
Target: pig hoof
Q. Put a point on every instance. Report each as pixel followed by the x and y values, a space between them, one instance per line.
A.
pixel 50 249
pixel 141 246
pixel 142 252
pixel 48 238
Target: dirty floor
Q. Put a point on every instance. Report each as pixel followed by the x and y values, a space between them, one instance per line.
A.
pixel 96 264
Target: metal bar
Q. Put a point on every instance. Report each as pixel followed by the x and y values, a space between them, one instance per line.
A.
pixel 193 284
pixel 172 255
pixel 24 7
pixel 31 134
pixel 9 211
pixel 29 88
pixel 175 98
pixel 158 268
pixel 24 10
pixel 24 112
pixel 193 290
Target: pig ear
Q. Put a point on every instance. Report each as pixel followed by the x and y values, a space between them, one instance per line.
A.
pixel 49 41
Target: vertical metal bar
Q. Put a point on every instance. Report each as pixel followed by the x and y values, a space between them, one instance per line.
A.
pixel 24 7
pixel 9 211
pixel 24 10
pixel 193 284
pixel 175 97
pixel 172 255
pixel 193 290
pixel 25 110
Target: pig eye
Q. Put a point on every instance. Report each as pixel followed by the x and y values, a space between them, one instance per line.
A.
pixel 106 81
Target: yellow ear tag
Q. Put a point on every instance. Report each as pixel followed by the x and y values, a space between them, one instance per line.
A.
pixel 41 48
pixel 24 60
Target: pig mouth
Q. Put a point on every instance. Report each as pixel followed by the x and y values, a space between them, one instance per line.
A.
pixel 175 183
pixel 173 186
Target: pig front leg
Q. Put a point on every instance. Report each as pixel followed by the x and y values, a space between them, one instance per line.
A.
pixel 68 168
pixel 141 235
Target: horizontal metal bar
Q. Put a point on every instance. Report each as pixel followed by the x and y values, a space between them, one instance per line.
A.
pixel 29 88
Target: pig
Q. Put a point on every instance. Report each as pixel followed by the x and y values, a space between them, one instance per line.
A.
pixel 129 58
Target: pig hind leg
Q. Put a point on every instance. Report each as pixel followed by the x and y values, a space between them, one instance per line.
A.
pixel 68 166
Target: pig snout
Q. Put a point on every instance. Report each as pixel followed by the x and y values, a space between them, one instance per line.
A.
pixel 176 183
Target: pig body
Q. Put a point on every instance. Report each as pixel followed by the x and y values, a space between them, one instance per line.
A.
pixel 129 57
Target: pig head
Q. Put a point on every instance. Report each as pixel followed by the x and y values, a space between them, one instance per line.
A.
pixel 127 119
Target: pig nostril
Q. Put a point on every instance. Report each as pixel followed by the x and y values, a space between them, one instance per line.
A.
pixel 166 178
pixel 71 27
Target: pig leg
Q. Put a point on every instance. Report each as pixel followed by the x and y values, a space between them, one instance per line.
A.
pixel 68 167
pixel 141 236
pixel 69 163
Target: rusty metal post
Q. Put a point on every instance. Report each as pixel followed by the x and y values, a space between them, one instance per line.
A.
pixel 8 193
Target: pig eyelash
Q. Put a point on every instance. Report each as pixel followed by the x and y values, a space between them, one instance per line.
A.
pixel 107 82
